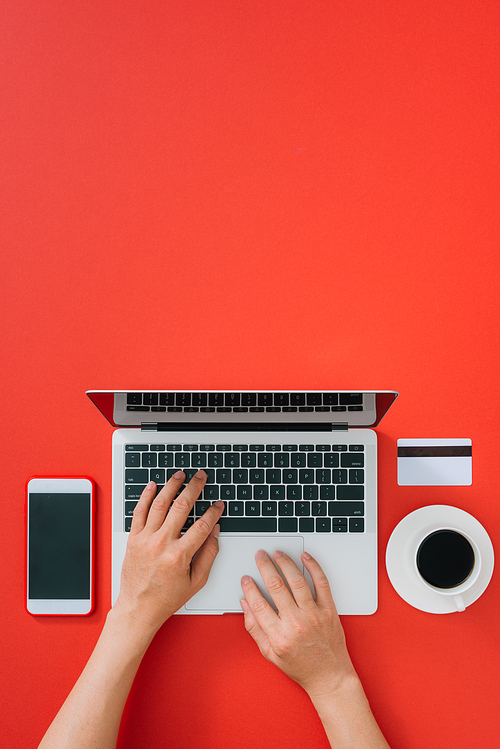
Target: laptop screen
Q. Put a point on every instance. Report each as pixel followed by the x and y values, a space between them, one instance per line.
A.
pixel 243 408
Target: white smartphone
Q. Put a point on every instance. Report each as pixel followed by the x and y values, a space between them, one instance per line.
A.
pixel 60 545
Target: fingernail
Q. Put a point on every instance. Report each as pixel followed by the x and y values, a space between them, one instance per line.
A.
pixel 278 553
pixel 179 475
pixel 219 503
pixel 306 555
pixel 200 474
pixel 260 554
pixel 245 579
pixel 150 485
pixel 217 530
pixel 244 605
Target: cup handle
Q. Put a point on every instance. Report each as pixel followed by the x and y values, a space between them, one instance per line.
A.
pixel 460 603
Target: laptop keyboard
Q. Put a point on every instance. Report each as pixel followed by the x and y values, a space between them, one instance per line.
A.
pixel 267 488
pixel 244 402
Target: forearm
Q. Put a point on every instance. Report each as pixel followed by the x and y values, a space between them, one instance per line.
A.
pixel 347 718
pixel 92 712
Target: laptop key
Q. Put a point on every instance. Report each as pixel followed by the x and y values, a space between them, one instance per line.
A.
pixel 211 493
pixel 240 476
pixel 134 492
pixel 201 506
pixel 276 492
pixel 269 508
pixel 306 525
pixel 134 399
pixel 133 460
pixel 129 508
pixel 287 525
pixel 310 492
pixel 198 460
pixel 319 509
pixel 236 508
pixel 294 492
pixel 332 460
pixel 356 476
pixel 323 525
pixel 285 508
pixel 157 475
pixel 265 460
pixel 356 525
pixel 248 525
pixel 136 476
pixel 260 492
pixel 352 460
pixel 347 509
pixel 303 508
pixel 355 491
pixel 248 460
pixel 252 509
pixel 215 460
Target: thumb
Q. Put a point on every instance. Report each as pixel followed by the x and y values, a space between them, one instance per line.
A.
pixel 205 557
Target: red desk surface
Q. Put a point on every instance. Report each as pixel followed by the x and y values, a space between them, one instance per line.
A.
pixel 251 195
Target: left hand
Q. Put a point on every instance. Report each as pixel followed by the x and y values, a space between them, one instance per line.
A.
pixel 162 569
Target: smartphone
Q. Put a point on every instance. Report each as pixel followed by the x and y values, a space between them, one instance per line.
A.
pixel 60 545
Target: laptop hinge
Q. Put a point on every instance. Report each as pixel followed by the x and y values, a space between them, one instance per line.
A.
pixel 180 426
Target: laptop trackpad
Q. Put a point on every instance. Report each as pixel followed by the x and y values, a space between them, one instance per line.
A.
pixel 236 558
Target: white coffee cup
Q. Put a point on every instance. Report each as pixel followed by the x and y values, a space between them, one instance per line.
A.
pixel 455 590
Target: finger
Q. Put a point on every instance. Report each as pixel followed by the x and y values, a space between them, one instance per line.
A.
pixel 162 502
pixel 254 629
pixel 298 584
pixel 274 582
pixel 324 597
pixel 205 557
pixel 195 537
pixel 142 508
pixel 183 505
pixel 264 614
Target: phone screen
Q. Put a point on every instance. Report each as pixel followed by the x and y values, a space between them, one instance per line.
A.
pixel 59 533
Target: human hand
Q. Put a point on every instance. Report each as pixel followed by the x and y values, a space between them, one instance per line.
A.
pixel 162 569
pixel 305 638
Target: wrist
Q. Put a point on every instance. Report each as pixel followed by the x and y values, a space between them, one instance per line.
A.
pixel 347 686
pixel 127 627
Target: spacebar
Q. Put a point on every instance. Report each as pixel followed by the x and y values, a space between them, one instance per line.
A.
pixel 248 525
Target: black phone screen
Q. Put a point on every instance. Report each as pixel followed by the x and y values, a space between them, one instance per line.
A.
pixel 59 546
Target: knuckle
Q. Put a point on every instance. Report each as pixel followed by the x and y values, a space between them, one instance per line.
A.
pixel 322 583
pixel 281 645
pixel 259 606
pixel 299 582
pixel 182 504
pixel 139 510
pixel 203 526
pixel 160 503
pixel 275 584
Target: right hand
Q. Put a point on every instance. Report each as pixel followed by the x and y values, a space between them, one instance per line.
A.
pixel 305 638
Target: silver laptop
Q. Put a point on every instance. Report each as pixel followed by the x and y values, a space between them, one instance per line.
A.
pixel 297 472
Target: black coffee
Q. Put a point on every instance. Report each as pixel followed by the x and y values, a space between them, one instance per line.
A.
pixel 445 559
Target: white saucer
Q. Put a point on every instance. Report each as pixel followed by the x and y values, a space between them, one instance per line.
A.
pixel 402 548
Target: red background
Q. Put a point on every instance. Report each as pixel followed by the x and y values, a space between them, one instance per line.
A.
pixel 243 195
